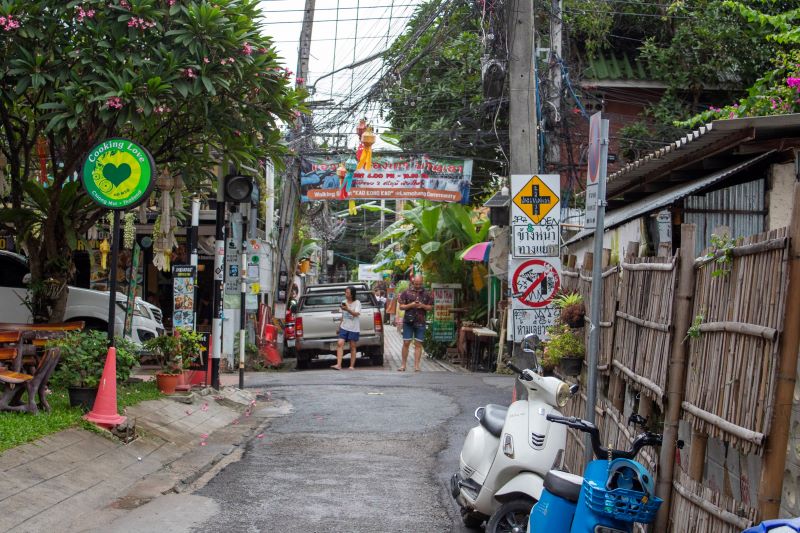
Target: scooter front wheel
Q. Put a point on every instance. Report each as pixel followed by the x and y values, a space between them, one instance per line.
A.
pixel 511 517
pixel 471 520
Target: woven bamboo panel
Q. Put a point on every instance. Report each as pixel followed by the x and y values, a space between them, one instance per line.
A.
pixel 643 324
pixel 607 310
pixel 569 279
pixel 732 366
pixel 702 510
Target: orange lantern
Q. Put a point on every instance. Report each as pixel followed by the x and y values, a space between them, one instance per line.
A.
pixel 367 139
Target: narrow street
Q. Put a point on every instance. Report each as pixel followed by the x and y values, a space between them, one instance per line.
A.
pixel 370 450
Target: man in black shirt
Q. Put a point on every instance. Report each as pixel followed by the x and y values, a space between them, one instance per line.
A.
pixel 415 302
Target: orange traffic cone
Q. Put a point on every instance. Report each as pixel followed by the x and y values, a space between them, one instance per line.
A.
pixel 104 412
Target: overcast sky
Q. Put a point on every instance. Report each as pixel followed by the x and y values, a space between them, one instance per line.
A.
pixel 344 32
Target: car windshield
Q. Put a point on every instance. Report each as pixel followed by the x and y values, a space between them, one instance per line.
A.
pixel 333 300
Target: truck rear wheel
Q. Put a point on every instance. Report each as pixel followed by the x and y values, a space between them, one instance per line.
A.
pixel 302 361
pixel 376 357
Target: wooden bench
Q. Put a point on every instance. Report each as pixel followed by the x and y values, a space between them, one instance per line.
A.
pixel 23 345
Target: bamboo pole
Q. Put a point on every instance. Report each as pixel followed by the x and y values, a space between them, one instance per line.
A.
pixel 771 485
pixel 681 321
pixel 723 424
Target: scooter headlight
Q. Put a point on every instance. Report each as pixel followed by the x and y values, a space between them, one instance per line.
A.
pixel 563 394
pixel 508 445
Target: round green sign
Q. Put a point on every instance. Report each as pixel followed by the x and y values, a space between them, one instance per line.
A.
pixel 118 174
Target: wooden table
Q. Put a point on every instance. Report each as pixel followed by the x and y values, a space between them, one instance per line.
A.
pixel 477 339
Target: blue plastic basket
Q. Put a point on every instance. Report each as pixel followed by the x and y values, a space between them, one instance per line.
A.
pixel 621 504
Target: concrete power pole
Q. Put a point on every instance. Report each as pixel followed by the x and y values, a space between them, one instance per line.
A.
pixel 524 143
pixel 523 124
pixel 299 142
pixel 554 146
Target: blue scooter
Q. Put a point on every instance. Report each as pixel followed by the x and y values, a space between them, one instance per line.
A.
pixel 790 525
pixel 615 492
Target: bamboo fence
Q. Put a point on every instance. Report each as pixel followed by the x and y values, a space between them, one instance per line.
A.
pixel 569 279
pixel 732 364
pixel 610 284
pixel 643 324
pixel 700 509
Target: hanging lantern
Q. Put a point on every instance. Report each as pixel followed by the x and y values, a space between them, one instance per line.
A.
pixel 362 126
pixel 367 139
pixel 104 249
pixel 165 182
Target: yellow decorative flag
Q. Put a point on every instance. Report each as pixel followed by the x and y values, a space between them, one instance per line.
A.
pixel 478 273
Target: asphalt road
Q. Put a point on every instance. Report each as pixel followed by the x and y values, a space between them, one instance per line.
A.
pixel 370 450
pixel 363 451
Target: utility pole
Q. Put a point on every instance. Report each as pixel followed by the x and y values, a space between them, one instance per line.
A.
pixel 523 128
pixel 301 128
pixel 554 146
pixel 523 123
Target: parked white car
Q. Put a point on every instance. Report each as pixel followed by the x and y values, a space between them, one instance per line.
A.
pixel 87 305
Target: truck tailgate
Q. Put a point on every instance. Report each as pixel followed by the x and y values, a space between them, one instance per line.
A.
pixel 324 324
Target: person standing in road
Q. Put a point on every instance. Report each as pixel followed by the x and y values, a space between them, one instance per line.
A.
pixel 349 329
pixel 415 302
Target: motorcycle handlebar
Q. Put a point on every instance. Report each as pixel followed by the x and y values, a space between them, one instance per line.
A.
pixel 514 367
pixel 642 440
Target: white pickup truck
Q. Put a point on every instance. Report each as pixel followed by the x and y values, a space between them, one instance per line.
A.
pixel 82 304
pixel 317 323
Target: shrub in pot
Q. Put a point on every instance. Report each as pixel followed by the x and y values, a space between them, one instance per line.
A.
pixel 174 354
pixel 83 356
pixel 566 348
pixel 572 309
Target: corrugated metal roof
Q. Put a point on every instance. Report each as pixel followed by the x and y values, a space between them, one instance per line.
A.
pixel 666 197
pixel 712 138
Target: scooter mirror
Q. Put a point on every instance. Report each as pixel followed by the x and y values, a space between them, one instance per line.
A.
pixel 529 341
pixel 573 389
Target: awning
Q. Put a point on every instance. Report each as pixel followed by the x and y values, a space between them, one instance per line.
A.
pixel 666 197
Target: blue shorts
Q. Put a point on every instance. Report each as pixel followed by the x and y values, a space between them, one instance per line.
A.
pixel 417 331
pixel 348 335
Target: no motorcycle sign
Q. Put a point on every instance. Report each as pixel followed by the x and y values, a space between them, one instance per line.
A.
pixel 534 284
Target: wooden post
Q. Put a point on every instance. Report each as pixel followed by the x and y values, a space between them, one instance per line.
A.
pixel 645 406
pixel 771 485
pixel 681 321
pixel 606 257
pixel 697 456
pixel 588 261
pixel 572 260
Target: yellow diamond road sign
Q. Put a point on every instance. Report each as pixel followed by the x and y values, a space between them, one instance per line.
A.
pixel 536 199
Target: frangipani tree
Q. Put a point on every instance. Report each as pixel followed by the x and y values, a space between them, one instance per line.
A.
pixel 191 80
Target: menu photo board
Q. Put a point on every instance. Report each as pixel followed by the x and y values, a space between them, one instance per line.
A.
pixel 183 279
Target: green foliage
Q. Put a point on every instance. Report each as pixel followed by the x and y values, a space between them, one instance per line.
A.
pixel 720 253
pixel 694 330
pixel 175 352
pixel 17 428
pixel 188 81
pixel 565 300
pixel 83 356
pixel 562 342
pixel 435 103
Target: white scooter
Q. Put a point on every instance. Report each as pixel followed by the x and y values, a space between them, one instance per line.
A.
pixel 506 456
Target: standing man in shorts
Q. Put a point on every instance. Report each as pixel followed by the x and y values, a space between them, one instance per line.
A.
pixel 416 302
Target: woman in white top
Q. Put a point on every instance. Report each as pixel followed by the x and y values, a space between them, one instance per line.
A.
pixel 349 329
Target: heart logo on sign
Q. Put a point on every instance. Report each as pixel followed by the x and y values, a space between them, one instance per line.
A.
pixel 116 174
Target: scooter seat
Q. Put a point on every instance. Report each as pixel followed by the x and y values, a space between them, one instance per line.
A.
pixel 493 418
pixel 563 484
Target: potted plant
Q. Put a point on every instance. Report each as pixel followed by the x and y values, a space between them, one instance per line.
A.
pixel 572 309
pixel 565 347
pixel 83 356
pixel 174 354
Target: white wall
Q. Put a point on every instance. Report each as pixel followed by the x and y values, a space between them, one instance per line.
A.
pixel 615 239
pixel 779 197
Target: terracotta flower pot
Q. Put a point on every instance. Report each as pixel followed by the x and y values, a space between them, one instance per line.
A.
pixel 166 383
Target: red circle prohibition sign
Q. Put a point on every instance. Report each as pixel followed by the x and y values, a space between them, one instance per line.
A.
pixel 537 286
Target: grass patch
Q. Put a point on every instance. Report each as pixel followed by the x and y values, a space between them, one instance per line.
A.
pixel 19 428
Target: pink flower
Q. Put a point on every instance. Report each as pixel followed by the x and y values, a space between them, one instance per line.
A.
pixel 300 80
pixel 115 102
pixel 8 23
pixel 263 50
pixel 189 73
pixel 124 4
pixel 247 49
pixel 206 60
pixel 793 82
pixel 89 13
pixel 172 2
